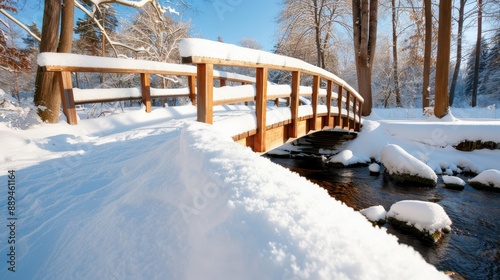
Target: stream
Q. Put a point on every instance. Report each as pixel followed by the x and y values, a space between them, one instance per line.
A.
pixel 472 249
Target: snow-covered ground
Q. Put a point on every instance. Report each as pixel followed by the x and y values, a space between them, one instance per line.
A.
pixel 428 139
pixel 159 196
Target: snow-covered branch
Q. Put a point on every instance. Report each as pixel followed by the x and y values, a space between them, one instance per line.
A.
pixel 5 13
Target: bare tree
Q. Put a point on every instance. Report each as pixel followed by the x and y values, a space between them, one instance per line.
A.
pixel 310 25
pixel 427 54
pixel 365 17
pixel 395 66
pixel 460 21
pixel 478 52
pixel 441 100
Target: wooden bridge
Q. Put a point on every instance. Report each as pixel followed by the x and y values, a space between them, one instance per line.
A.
pixel 281 112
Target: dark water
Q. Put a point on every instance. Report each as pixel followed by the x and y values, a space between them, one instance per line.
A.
pixel 472 249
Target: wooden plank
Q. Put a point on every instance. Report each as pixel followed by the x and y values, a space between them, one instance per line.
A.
pixel 233 101
pixel 329 89
pixel 67 99
pixel 261 109
pixel 192 88
pixel 205 93
pixel 146 91
pixel 55 68
pixel 314 101
pixel 294 103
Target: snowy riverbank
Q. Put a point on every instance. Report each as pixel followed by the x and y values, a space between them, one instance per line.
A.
pixel 158 196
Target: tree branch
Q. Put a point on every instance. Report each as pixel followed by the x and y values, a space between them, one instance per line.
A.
pixel 20 24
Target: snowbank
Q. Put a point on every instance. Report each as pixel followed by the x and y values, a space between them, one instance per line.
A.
pixel 149 198
pixel 405 167
pixel 428 217
pixel 488 179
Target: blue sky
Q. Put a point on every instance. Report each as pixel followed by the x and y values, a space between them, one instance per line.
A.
pixel 233 20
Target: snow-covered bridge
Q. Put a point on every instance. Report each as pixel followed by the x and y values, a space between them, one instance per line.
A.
pixel 327 102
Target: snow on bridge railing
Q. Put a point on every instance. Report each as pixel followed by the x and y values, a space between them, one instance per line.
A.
pixel 65 63
pixel 206 54
pixel 194 49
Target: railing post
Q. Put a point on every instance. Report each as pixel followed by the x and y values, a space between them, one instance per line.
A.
pixel 205 92
pixel 261 109
pixel 294 104
pixel 192 89
pixel 354 109
pixel 222 82
pixel 67 98
pixel 146 91
pixel 348 107
pixel 329 88
pixel 340 97
pixel 360 108
pixel 315 91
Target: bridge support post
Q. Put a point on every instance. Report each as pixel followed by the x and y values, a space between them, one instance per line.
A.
pixel 146 91
pixel 294 104
pixel 315 90
pixel 329 89
pixel 67 99
pixel 205 73
pixel 261 109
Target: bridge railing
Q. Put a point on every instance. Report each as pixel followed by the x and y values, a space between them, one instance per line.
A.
pixel 206 54
pixel 63 64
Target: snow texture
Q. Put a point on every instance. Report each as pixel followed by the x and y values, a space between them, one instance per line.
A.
pixel 157 196
pixel 422 215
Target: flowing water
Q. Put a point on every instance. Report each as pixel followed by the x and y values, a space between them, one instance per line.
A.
pixel 472 249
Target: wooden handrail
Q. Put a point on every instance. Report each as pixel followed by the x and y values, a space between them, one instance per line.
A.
pixel 207 54
pixel 63 64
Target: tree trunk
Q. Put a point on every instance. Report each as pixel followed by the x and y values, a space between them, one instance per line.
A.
pixel 365 36
pixel 459 50
pixel 427 54
pixel 395 55
pixel 48 100
pixel 441 100
pixel 478 53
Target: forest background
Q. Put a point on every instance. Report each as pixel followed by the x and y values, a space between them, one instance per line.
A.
pixel 317 31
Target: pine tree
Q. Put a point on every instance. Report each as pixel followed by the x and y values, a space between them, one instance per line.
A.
pixel 469 78
pixel 491 78
pixel 91 37
pixel 30 42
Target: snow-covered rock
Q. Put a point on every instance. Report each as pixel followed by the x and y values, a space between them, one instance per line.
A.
pixel 375 214
pixel 374 168
pixel 488 179
pixel 347 158
pixel 453 182
pixel 403 167
pixel 428 218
